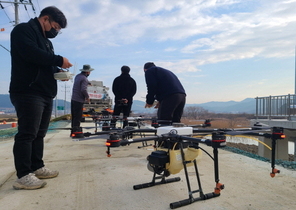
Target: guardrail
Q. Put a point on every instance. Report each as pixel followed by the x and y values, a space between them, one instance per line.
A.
pixel 270 107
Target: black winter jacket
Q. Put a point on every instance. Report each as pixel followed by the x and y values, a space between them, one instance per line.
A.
pixel 124 86
pixel 161 83
pixel 33 61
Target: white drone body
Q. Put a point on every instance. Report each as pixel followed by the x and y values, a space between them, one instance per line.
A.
pixel 63 75
pixel 183 131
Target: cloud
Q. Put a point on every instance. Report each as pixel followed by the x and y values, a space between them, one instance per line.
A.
pixel 213 26
pixel 190 37
pixel 170 49
pixel 178 66
pixel 265 33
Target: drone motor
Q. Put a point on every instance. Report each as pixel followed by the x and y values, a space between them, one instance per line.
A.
pixel 113 141
pixel 77 133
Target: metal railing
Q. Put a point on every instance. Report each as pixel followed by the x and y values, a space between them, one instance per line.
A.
pixel 283 106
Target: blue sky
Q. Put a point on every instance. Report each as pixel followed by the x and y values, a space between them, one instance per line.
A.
pixel 221 50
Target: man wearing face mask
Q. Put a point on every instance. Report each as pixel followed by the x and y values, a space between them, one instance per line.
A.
pixel 79 97
pixel 32 89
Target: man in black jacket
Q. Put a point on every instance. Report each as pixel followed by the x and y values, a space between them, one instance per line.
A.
pixel 124 88
pixel 165 87
pixel 32 89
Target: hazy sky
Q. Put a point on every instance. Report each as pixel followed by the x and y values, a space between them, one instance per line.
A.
pixel 221 50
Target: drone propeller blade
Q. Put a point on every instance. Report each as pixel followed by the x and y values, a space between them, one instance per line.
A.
pixel 246 132
pixel 89 127
pixel 59 128
pixel 103 119
pixel 135 140
pixel 105 136
pixel 139 118
pixel 204 130
pixel 141 130
pixel 96 133
pixel 260 124
pixel 197 125
pixel 260 128
pixel 69 128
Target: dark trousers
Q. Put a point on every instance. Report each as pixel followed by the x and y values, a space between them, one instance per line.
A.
pixel 171 108
pixel 124 109
pixel 76 113
pixel 33 113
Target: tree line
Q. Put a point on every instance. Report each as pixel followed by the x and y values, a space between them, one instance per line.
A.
pixel 199 113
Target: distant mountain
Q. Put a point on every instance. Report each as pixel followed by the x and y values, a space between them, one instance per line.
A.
pixel 139 107
pixel 247 105
pixel 5 102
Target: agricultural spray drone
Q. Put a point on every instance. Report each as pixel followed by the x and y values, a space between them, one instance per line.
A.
pixel 175 149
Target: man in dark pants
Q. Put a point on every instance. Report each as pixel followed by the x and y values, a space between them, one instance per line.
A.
pixel 124 88
pixel 164 86
pixel 79 97
pixel 32 89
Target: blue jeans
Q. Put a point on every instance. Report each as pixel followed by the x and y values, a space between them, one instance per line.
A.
pixel 33 113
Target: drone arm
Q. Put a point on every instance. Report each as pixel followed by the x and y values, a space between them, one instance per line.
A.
pixel 203 130
pixel 129 141
pixel 218 140
pixel 87 134
pixel 276 134
pixel 142 130
pixel 208 142
pixel 148 130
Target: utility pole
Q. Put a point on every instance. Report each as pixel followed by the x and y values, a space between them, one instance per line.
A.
pixel 16 6
pixel 65 99
pixel 16 16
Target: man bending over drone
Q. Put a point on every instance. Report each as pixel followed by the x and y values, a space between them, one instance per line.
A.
pixel 165 87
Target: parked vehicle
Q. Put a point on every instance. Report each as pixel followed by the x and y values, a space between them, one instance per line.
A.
pixel 100 101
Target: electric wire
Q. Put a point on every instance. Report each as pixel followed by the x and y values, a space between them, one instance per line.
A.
pixel 38 5
pixel 3 8
pixel 27 11
pixel 33 8
pixel 24 2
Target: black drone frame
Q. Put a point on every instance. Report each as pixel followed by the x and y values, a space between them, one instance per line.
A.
pixel 122 137
pixel 118 134
pixel 273 133
pixel 218 141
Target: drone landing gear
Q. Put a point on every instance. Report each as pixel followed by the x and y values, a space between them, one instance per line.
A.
pixel 199 190
pixel 189 200
pixel 154 183
pixel 191 192
pixel 144 144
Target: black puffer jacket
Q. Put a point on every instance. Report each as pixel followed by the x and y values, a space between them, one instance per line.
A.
pixel 33 61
